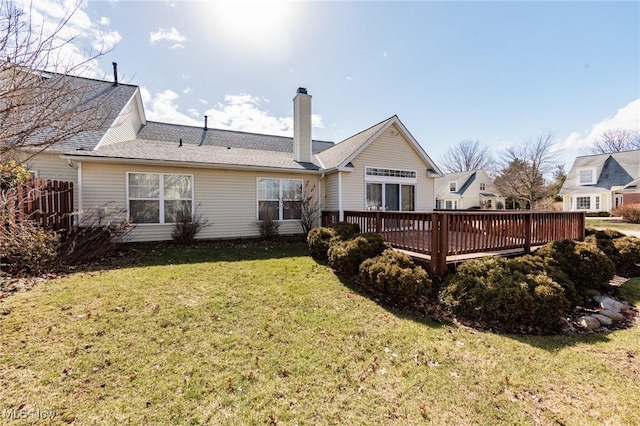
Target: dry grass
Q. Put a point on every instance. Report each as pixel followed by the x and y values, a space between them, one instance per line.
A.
pixel 254 334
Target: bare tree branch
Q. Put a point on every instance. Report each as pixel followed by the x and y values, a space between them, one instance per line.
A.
pixel 616 140
pixel 467 155
pixel 40 108
pixel 524 167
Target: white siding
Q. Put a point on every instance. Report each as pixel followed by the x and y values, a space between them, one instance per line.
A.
pixel 51 166
pixel 330 189
pixel 126 126
pixel 390 151
pixel 226 198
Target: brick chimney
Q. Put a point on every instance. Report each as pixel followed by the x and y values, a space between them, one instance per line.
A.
pixel 302 126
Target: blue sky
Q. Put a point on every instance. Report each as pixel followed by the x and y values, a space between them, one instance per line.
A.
pixel 499 72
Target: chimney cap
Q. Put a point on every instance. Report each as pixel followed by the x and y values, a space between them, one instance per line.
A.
pixel 302 90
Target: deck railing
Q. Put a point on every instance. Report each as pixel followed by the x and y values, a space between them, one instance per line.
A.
pixel 446 233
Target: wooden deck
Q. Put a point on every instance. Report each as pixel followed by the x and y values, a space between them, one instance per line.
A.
pixel 454 236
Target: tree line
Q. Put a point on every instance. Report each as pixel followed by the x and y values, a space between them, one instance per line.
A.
pixel 529 175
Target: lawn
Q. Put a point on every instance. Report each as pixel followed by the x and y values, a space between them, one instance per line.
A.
pixel 611 223
pixel 247 333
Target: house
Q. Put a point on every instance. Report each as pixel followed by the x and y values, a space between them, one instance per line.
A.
pixel 154 172
pixel 602 182
pixel 467 190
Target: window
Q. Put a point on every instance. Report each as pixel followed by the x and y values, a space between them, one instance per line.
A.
pixel 482 186
pixel 451 204
pixel 453 186
pixel 587 176
pixel 583 203
pixel 159 198
pixel 279 199
pixel 397 197
pixel 376 171
pixel 597 202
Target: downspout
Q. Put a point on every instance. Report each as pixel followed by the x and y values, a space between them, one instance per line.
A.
pixel 79 189
pixel 340 212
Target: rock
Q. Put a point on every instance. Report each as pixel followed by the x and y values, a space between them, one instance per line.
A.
pixel 604 320
pixel 614 315
pixel 609 304
pixel 588 322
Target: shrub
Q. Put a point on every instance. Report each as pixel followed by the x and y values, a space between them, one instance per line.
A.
pixel 319 241
pixel 606 233
pixel 269 228
pixel 496 291
pixel 628 212
pixel 28 248
pixel 345 230
pixel 534 265
pixel 98 237
pixel 396 276
pixel 346 256
pixel 187 227
pixel 598 214
pixel 628 249
pixel 586 265
pixel 12 174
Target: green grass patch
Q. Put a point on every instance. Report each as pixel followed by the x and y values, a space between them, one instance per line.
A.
pixel 610 223
pixel 232 333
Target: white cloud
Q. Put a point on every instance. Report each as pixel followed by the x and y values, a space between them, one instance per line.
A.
pixel 627 117
pixel 163 107
pixel 385 55
pixel 237 112
pixel 243 113
pixel 68 20
pixel 166 35
pixel 177 46
pixel 187 90
pixel 106 41
pixel 203 102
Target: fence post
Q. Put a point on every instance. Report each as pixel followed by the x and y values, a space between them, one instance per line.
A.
pixel 379 222
pixel 527 232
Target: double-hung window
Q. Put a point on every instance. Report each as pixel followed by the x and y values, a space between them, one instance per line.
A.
pixel 587 176
pixel 159 197
pixel 583 203
pixel 279 199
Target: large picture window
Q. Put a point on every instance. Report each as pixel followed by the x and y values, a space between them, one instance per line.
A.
pixel 279 199
pixel 159 198
pixel 396 196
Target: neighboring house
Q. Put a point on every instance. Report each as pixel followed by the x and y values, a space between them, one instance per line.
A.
pixel 467 190
pixel 602 182
pixel 156 172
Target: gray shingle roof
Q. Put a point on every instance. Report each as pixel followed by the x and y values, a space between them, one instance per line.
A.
pixel 102 98
pixel 336 155
pixel 191 135
pixel 618 169
pixel 140 149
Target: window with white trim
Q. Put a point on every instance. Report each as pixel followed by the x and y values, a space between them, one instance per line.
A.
pixel 597 202
pixel 482 186
pixel 451 204
pixel 390 196
pixel 583 203
pixel 377 171
pixel 587 176
pixel 159 197
pixel 279 199
pixel 453 186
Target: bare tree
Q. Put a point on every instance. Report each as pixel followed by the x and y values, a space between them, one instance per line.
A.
pixel 524 168
pixel 615 140
pixel 40 108
pixel 467 155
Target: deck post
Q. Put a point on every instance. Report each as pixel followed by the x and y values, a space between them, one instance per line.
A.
pixel 527 232
pixel 379 222
pixel 439 241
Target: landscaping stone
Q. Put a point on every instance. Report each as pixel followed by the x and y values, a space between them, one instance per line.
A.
pixel 604 320
pixel 614 315
pixel 609 304
pixel 588 322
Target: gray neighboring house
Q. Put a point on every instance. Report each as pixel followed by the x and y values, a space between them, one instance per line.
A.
pixel 602 182
pixel 465 190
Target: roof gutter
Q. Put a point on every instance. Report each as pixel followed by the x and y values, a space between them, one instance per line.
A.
pixel 171 163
